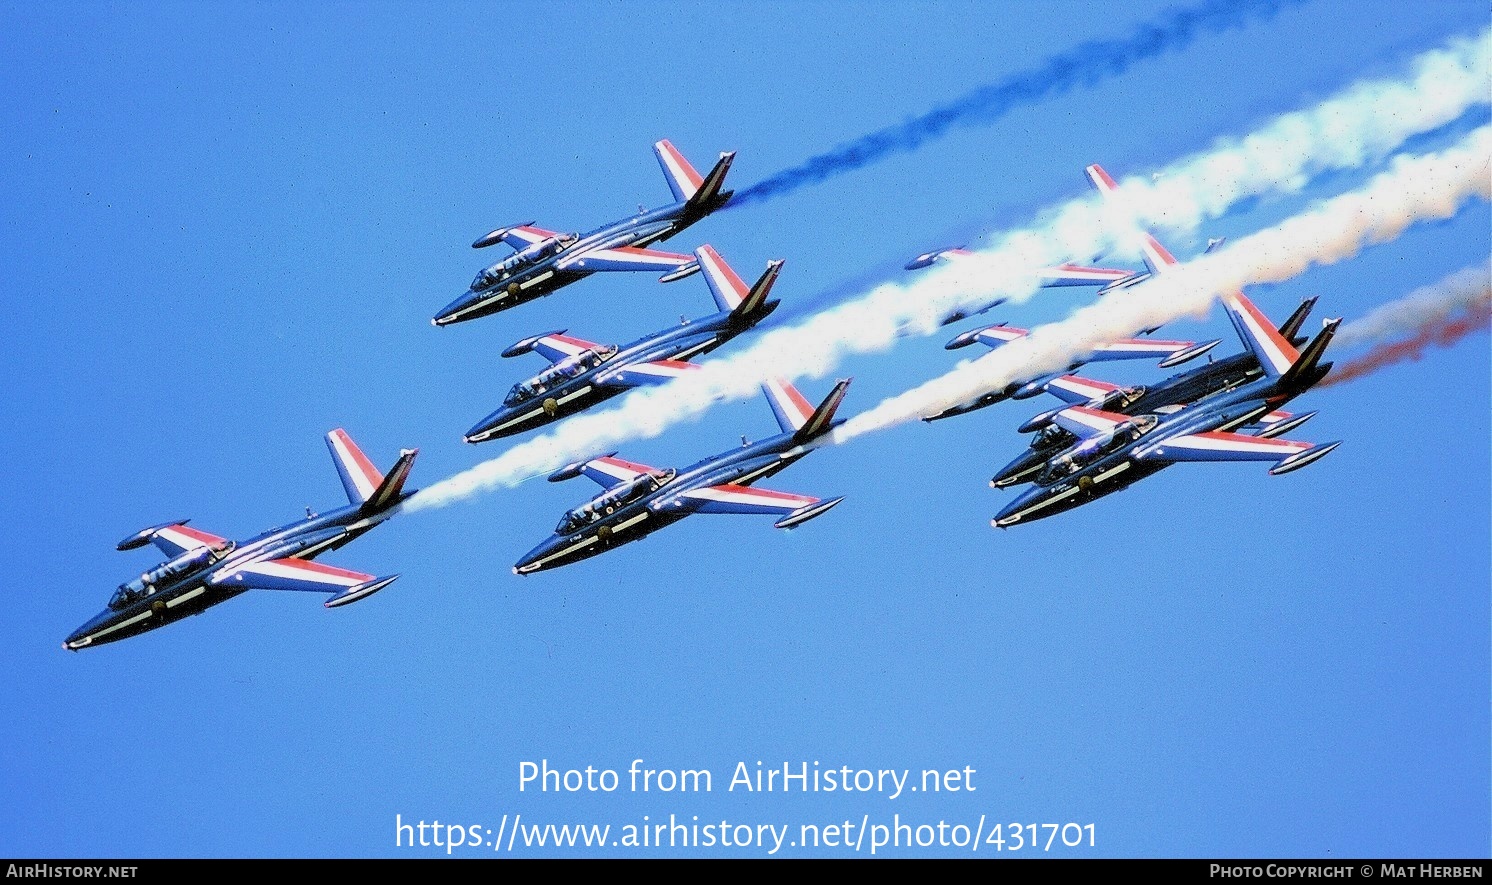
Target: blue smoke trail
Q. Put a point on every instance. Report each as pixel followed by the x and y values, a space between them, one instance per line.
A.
pixel 1083 65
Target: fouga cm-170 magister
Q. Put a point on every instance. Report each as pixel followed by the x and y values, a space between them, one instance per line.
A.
pixel 546 260
pixel 205 569
pixel 638 499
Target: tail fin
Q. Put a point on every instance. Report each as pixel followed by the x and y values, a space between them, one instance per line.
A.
pixel 365 484
pixel 683 180
pixel 1158 259
pixel 1276 355
pixel 1308 368
pixel 391 490
pixel 1290 328
pixel 701 193
pixel 710 197
pixel 730 292
pixel 795 416
pixel 1276 349
pixel 359 477
pixel 1101 181
pixel 822 421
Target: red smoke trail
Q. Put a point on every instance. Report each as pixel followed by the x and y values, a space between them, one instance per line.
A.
pixel 1441 332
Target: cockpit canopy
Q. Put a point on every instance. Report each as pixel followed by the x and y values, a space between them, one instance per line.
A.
pixel 528 255
pixel 183 565
pixel 560 372
pixel 1095 447
pixel 613 499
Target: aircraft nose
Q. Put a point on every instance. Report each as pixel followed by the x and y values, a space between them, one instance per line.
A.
pixel 87 634
pixel 450 313
pixel 486 428
pixel 528 564
pixel 79 638
pixel 1016 510
pixel 537 558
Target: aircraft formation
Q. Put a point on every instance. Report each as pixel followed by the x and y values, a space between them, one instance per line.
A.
pixel 1103 438
pixel 1109 437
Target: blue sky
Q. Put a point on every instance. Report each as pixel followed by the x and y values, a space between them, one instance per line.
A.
pixel 228 225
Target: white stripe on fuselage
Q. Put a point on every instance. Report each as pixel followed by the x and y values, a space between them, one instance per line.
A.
pixel 584 542
pixel 365 483
pixel 527 415
pixel 537 280
pixel 1075 489
pixel 185 596
pixel 506 424
pixel 1068 493
pixel 119 626
pixel 579 393
pixel 499 293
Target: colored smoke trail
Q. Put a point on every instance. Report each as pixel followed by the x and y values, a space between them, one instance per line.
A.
pixel 1083 65
pixel 1414 189
pixel 1438 315
pixel 1360 125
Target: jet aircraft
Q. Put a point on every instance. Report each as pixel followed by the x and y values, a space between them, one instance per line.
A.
pixel 1115 450
pixel 1058 276
pixel 638 500
pixel 1167 396
pixel 1172 353
pixel 206 569
pixel 1158 260
pixel 545 260
pixel 583 373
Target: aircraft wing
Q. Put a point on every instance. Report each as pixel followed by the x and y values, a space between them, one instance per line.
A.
pixel 306 576
pixel 733 498
pixel 989 336
pixel 1267 421
pixel 1217 445
pixel 612 471
pixel 519 236
pixel 1222 446
pixel 623 258
pixel 653 372
pixel 554 346
pixel 1076 275
pixel 294 574
pixel 174 540
pixel 1086 423
pixel 1076 389
pixel 1137 349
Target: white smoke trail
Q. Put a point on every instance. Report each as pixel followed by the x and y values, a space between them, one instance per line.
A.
pixel 1433 186
pixel 1437 315
pixel 1363 123
pixel 1082 65
pixel 1460 292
